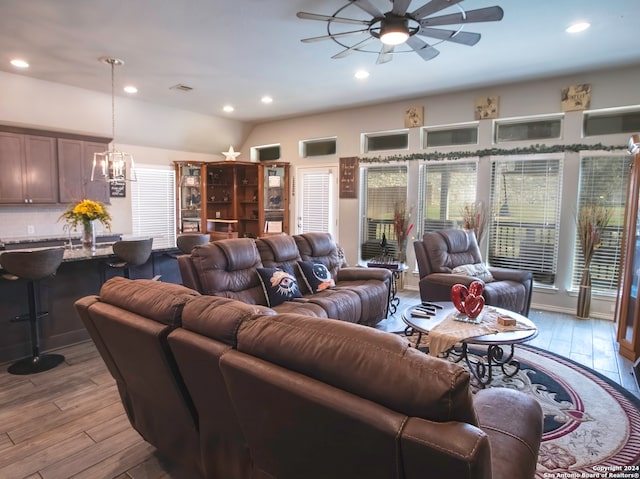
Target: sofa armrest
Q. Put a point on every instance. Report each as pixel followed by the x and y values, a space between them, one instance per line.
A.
pixel 513 421
pixel 188 273
pixel 505 274
pixel 354 273
pixel 445 449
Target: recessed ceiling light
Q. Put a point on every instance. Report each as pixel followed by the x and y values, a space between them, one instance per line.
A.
pixel 18 63
pixel 130 89
pixel 578 27
pixel 228 108
pixel 266 99
pixel 361 74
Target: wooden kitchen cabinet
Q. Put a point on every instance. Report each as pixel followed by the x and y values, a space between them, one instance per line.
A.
pixel 29 165
pixel 75 161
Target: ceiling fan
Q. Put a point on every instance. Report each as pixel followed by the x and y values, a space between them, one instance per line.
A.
pixel 399 26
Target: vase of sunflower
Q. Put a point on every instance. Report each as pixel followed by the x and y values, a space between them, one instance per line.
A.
pixel 84 213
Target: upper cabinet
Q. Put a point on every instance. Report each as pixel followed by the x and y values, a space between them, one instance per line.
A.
pixel 245 199
pixel 29 169
pixel 40 167
pixel 189 187
pixel 75 161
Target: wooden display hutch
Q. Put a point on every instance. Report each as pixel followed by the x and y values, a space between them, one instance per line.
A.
pixel 242 199
pixel 628 306
pixel 190 183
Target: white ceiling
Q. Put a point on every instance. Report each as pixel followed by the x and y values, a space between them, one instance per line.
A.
pixel 236 51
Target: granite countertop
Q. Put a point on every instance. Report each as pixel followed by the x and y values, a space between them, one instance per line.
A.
pixel 79 253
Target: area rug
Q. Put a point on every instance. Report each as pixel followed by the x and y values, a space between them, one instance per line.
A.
pixel 591 424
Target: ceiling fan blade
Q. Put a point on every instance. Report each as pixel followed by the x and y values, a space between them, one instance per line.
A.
pixel 334 35
pixel 464 38
pixel 346 52
pixel 386 54
pixel 329 18
pixel 426 51
pixel 400 7
pixel 368 7
pixel 432 7
pixel 489 14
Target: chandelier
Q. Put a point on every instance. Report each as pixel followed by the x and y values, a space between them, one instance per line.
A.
pixel 113 165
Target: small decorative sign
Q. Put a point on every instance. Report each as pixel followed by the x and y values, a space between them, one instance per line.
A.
pixel 487 107
pixel 118 189
pixel 349 177
pixel 414 116
pixel 576 97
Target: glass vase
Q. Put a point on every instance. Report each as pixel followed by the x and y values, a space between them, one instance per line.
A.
pixel 88 236
pixel 584 295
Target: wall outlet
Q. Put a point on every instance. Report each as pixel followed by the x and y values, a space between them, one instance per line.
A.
pixel 31 230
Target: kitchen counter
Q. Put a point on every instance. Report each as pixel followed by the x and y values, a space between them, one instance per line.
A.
pixel 79 275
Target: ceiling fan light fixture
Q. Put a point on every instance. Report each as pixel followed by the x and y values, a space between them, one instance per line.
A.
pixel 394 31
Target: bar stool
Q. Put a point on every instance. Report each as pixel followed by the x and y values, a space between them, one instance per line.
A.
pixel 186 242
pixel 130 253
pixel 33 266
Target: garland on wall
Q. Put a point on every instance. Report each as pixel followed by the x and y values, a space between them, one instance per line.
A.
pixel 455 155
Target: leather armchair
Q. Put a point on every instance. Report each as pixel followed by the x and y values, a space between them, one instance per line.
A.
pixel 439 252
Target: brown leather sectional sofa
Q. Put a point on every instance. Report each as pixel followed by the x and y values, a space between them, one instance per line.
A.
pixel 233 390
pixel 229 267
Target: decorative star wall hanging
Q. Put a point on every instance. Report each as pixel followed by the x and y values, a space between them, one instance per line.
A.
pixel 230 155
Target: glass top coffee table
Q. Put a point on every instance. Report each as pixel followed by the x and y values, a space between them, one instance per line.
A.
pixel 422 318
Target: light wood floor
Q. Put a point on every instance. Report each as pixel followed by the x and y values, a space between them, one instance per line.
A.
pixel 68 422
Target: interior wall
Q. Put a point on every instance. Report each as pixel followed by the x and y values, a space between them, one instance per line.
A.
pixel 154 134
pixel 611 88
pixel 34 103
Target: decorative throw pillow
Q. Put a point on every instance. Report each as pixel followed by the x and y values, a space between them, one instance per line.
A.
pixel 316 276
pixel 278 285
pixel 478 270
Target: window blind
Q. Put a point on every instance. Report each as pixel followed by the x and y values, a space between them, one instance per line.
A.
pixel 525 215
pixel 603 182
pixel 315 214
pixel 153 206
pixel 381 189
pixel 445 188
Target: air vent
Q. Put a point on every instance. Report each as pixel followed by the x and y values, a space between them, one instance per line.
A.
pixel 181 87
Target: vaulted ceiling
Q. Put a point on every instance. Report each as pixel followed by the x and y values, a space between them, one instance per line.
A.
pixel 234 52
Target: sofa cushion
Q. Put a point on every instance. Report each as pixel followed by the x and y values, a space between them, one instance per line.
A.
pixel 279 285
pixel 162 302
pixel 363 361
pixel 316 276
pixel 219 318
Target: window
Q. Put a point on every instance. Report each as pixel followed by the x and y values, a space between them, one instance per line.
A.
pixel 265 153
pixel 611 122
pixel 525 214
pixel 386 141
pixel 445 188
pixel 381 189
pixel 528 129
pixel 316 203
pixel 153 205
pixel 322 147
pixel 450 136
pixel 603 181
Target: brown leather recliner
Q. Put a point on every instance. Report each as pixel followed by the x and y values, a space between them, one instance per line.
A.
pixel 439 252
